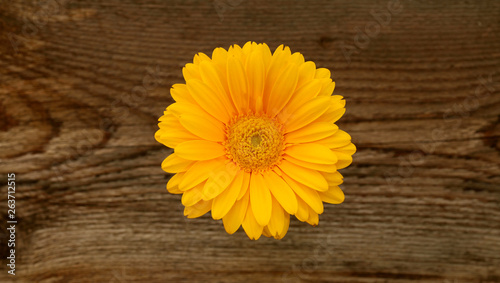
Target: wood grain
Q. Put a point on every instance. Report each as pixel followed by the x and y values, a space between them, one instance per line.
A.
pixel 76 126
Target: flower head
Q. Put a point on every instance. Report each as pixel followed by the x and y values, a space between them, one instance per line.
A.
pixel 255 139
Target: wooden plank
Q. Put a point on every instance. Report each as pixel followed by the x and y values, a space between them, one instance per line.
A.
pixel 423 108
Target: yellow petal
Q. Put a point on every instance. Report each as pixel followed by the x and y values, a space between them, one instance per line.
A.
pixel 192 196
pixel 309 112
pixel 303 211
pixel 334 195
pixel 237 81
pixel 220 178
pixel 266 232
pixel 310 196
pixel 297 58
pixel 180 93
pixel 333 179
pixel 260 199
pixel 339 139
pixel 332 116
pixel 306 73
pixel 174 164
pixel 179 109
pixel 334 111
pixel 314 166
pixel 208 100
pixel 173 183
pixel 219 59
pixel 282 90
pixel 235 50
pixel 199 172
pixel 344 160
pixel 167 121
pixel 266 54
pixel 199 150
pixel 277 64
pixel 172 133
pixel 285 227
pixel 281 191
pixel 247 47
pixel 204 127
pixel 282 49
pixel 244 185
pixel 256 74
pixel 215 79
pixel 171 139
pixel 166 115
pixel 233 219
pixel 219 55
pixel 191 72
pixel 311 152
pixel 312 132
pixel 327 89
pixel 198 209
pixel 313 218
pixel 344 157
pixel 308 177
pixel 200 58
pixel 277 221
pixel 302 95
pixel 322 73
pixel 251 226
pixel 348 149
pixel 337 101
pixel 225 201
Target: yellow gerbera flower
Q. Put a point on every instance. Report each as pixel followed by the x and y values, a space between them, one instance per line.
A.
pixel 254 139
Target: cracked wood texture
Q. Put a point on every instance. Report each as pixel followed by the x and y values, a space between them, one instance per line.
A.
pixel 76 127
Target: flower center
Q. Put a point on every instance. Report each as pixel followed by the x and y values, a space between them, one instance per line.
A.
pixel 255 143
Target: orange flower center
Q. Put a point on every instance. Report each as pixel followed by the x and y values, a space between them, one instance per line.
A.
pixel 255 143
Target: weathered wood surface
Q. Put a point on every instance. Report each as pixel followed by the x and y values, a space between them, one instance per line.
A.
pixel 423 100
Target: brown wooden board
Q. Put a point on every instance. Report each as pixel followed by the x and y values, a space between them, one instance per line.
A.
pixel 423 107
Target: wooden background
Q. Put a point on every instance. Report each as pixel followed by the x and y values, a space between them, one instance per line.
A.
pixel 76 126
